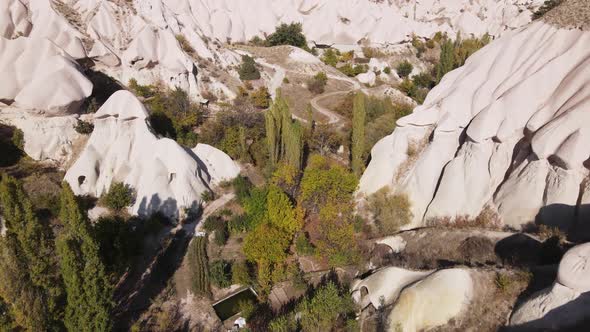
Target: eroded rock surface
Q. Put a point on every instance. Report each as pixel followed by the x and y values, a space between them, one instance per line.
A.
pixel 508 131
pixel 566 303
pixel 166 177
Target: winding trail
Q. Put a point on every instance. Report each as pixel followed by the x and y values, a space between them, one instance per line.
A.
pixel 277 80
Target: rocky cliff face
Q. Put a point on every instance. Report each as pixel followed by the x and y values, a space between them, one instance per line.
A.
pixel 166 177
pixel 507 130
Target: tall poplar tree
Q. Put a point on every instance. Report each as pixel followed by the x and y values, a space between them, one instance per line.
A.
pixel 30 284
pixel 358 134
pixel 284 135
pixel 447 60
pixel 88 289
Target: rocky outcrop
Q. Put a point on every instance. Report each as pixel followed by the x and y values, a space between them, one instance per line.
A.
pixel 563 305
pixel 166 177
pixel 219 165
pixel 48 139
pixel 508 131
pixel 39 76
pixel 348 21
pixel 420 300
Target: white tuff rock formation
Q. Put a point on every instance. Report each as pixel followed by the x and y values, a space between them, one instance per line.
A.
pixel 420 299
pixel 564 304
pixel 509 130
pixel 38 75
pixel 166 177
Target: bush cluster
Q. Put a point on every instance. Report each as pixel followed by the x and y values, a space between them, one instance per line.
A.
pixel 83 127
pixel 248 70
pixel 390 211
pixel 404 69
pixel 288 34
pixel 317 84
pixel 119 196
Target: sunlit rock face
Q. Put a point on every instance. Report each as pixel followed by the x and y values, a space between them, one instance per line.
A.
pixel 506 130
pixel 167 177
pixel 566 303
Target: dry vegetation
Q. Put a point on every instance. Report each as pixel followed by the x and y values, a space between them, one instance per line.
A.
pixel 571 14
pixel 414 150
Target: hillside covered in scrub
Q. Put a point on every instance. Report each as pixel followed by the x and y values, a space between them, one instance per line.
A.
pixel 321 165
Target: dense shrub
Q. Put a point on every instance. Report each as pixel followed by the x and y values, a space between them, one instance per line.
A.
pixel 144 91
pixel 423 80
pixel 217 225
pixel 288 34
pixel 387 70
pixel 257 41
pixel 330 57
pixel 175 116
pixel 198 266
pixel 351 71
pixel 248 70
pixel 404 69
pixel 220 273
pixel 240 273
pixel 408 87
pixel 325 139
pixel 239 224
pixel 119 196
pixel 185 44
pixel 318 83
pixel 261 98
pixel 18 139
pixel 390 212
pixel 241 132
pixel 323 181
pixel 303 246
pixel 84 127
pixel 371 52
pixel 327 308
pixel 207 196
pixel 118 244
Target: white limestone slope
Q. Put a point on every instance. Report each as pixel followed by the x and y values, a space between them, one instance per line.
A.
pixel 510 128
pixel 37 75
pixel 348 21
pixel 566 303
pixel 166 177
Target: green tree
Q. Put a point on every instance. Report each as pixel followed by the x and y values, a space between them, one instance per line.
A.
pixel 284 135
pixel 324 181
pixel 281 213
pixel 358 134
pixel 267 246
pixel 31 285
pixel 240 274
pixel 288 34
pixel 330 57
pixel 261 97
pixel 220 273
pixel 447 60
pixel 321 312
pixel 404 69
pixel 248 70
pixel 89 292
pixel 317 84
pixel 390 211
pixel 119 196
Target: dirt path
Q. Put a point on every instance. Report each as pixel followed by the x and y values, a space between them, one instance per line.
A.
pixel 212 207
pixel 277 80
pixel 162 259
